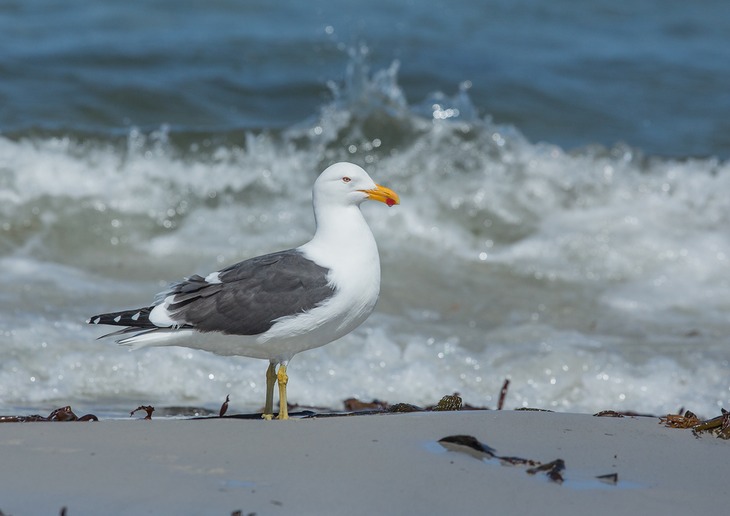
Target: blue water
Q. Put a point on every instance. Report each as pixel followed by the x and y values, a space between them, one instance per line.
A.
pixel 563 171
pixel 652 74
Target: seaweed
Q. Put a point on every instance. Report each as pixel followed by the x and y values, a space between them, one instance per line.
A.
pixel 608 413
pixel 449 402
pixel 149 409
pixel 224 407
pixel 503 394
pixel 60 414
pixel 553 470
pixel 472 446
pixel 718 426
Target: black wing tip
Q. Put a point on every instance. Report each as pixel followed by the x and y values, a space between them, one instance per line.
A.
pixel 138 318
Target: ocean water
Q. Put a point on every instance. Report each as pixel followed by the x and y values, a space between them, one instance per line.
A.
pixel 563 174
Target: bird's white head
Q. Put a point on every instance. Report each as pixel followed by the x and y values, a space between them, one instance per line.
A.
pixel 347 184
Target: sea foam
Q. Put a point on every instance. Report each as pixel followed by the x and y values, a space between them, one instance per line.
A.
pixel 592 279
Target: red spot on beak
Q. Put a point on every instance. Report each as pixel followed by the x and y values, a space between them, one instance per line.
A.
pixel 389 201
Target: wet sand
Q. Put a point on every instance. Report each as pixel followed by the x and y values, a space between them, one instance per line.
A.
pixel 377 464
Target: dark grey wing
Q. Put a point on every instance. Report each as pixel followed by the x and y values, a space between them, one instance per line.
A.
pixel 251 295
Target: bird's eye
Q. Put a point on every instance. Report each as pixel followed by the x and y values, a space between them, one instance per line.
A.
pixel 346 179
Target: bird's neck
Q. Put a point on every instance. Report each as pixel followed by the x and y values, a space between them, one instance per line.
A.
pixel 341 225
pixel 342 231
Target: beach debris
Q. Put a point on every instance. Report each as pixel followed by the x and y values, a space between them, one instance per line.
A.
pixel 719 426
pixel 60 414
pixel 610 478
pixel 517 461
pixel 621 413
pixel 503 394
pixel 686 420
pixel 404 407
pixel 608 413
pixel 467 444
pixel 84 418
pixel 354 405
pixel 473 447
pixel 553 470
pixel 453 402
pixel 449 402
pixel 224 407
pixel 149 409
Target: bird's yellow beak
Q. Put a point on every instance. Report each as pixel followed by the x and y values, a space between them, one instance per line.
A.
pixel 383 194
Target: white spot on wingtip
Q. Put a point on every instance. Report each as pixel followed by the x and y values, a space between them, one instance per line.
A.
pixel 118 318
pixel 213 277
pixel 136 316
pixel 96 321
pixel 159 315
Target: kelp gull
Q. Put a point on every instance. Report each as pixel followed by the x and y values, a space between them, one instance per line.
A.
pixel 277 305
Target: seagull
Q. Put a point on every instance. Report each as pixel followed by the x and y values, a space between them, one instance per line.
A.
pixel 277 305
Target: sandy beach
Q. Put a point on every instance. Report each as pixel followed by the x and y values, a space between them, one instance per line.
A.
pixel 378 464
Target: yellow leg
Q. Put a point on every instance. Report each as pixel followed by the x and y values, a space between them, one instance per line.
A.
pixel 283 379
pixel 270 380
